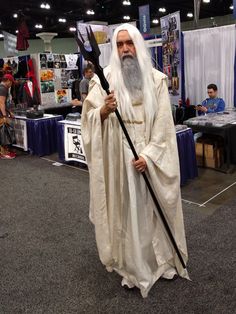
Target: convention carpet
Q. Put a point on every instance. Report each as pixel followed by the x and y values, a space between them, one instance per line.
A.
pixel 49 261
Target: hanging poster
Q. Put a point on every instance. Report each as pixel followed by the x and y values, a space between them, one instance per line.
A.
pixel 74 150
pixel 68 77
pixel 171 41
pixel 57 79
pixel 62 96
pixel 71 61
pixel 48 98
pixel 144 18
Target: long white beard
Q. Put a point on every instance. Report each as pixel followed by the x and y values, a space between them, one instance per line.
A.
pixel 132 77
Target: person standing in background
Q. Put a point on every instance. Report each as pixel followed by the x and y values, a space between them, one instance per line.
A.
pixel 88 73
pixel 5 114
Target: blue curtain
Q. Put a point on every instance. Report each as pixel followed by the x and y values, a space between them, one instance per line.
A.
pixel 42 135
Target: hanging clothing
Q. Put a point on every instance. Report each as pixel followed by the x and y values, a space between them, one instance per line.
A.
pixel 23 66
pixel 30 95
pixel 22 35
pixel 130 238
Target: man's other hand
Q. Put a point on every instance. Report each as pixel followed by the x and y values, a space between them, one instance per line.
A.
pixel 140 164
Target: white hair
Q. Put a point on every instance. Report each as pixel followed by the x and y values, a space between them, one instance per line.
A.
pixel 116 77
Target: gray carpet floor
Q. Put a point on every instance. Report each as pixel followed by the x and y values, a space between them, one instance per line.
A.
pixel 49 261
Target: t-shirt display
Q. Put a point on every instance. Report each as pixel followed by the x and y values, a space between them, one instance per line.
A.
pixel 57 73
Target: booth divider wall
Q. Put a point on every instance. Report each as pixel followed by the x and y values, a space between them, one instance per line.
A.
pixel 209 57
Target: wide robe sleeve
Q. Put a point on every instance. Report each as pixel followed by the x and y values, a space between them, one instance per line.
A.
pixel 161 155
pixel 103 149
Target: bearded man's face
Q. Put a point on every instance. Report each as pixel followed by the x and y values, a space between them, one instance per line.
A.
pixel 125 45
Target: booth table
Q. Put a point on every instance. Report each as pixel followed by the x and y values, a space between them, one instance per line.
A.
pixel 70 148
pixel 38 136
pixel 221 124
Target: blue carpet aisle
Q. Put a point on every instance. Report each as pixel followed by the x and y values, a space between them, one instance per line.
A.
pixel 49 261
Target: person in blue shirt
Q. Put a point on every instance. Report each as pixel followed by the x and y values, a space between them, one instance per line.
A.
pixel 213 103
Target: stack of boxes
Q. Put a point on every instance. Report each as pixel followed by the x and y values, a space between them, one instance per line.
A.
pixel 209 152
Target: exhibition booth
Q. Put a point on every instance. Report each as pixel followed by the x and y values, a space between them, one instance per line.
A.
pixel 45 84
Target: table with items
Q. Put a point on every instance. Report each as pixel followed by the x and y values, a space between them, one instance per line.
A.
pixel 70 147
pixel 38 136
pixel 222 124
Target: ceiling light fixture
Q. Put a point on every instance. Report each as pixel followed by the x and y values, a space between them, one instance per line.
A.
pixel 15 15
pixel 90 12
pixel 189 14
pixel 38 26
pixel 126 17
pixel 45 6
pixel 126 2
pixel 72 29
pixel 206 1
pixel 1 36
pixel 162 10
pixel 61 20
pixel 17 31
pixel 155 21
pixel 231 7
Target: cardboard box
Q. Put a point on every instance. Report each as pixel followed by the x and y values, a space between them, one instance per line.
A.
pixel 199 149
pixel 209 162
pixel 209 154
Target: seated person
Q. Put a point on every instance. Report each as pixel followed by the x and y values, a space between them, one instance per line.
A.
pixel 213 103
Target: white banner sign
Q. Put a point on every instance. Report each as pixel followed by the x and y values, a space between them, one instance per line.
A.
pixel 9 44
pixel 74 150
pixel 21 133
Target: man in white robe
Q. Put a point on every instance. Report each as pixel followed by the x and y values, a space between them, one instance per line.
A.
pixel 130 238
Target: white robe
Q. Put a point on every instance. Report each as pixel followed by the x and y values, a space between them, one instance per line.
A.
pixel 130 238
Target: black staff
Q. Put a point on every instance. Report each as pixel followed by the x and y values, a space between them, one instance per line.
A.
pixel 92 55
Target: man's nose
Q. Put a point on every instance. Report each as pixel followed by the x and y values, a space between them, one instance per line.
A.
pixel 125 48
